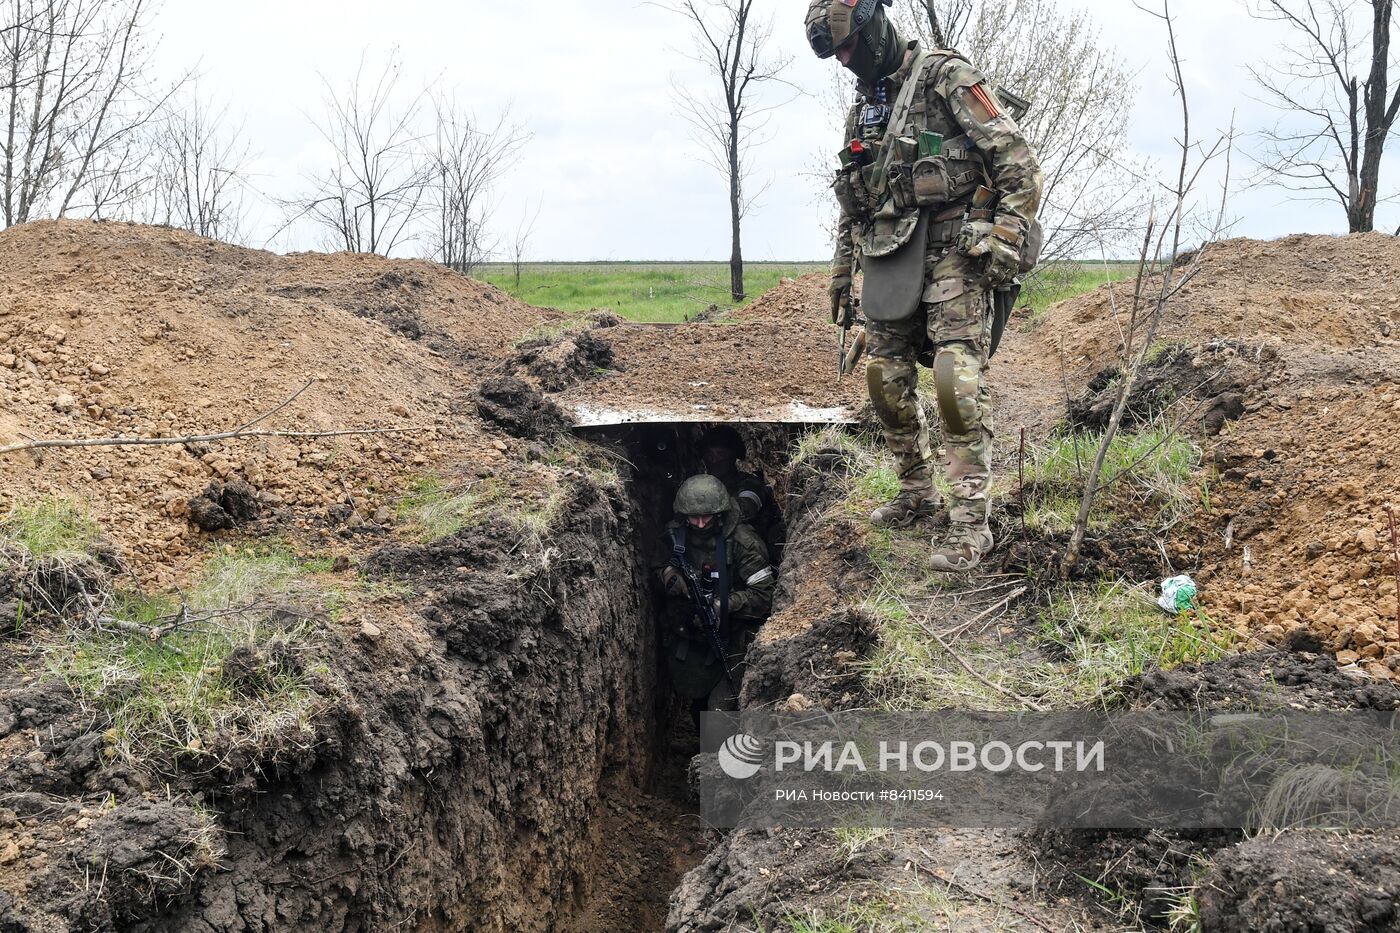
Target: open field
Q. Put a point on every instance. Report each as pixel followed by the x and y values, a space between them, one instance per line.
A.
pixel 652 292
pixel 670 292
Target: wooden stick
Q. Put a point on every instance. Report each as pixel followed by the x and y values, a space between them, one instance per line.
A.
pixel 973 892
pixel 204 438
pixel 968 667
pixel 986 612
pixel 235 434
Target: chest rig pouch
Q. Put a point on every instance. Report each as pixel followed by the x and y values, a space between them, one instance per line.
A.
pixel 892 238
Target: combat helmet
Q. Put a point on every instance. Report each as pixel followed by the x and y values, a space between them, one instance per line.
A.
pixel 832 24
pixel 702 495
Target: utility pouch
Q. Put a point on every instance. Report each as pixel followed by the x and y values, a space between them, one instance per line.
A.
pixel 1031 245
pixel 938 180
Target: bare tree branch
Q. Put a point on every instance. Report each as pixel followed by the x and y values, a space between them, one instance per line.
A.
pixel 1338 100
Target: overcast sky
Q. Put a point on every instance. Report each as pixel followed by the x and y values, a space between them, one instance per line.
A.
pixel 612 165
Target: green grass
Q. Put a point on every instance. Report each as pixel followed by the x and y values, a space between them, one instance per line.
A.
pixel 1110 632
pixel 434 508
pixel 172 696
pixel 649 292
pixel 671 292
pixel 1156 468
pixel 1091 639
pixel 50 528
pixel 1061 281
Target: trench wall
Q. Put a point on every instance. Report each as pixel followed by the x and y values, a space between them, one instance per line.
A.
pixel 460 789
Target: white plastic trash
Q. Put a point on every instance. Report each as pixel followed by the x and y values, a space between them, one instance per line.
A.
pixel 1178 594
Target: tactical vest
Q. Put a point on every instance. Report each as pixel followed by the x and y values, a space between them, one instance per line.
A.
pixel 946 182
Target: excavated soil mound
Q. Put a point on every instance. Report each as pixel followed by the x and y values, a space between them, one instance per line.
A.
pixel 1299 340
pixel 117 329
pixel 802 300
pixel 765 369
pixel 1296 292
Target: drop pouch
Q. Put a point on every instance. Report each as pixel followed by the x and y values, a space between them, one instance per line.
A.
pixel 894 282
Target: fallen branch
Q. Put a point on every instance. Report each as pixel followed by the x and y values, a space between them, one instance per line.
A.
pixel 236 434
pixel 1020 591
pixel 204 438
pixel 962 662
pixel 973 892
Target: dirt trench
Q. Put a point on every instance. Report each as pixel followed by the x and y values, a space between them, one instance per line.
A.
pixel 504 762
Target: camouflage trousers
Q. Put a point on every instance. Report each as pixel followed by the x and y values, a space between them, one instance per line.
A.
pixel 950 333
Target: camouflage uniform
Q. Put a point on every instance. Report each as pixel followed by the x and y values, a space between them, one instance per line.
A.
pixel 951 330
pixel 695 671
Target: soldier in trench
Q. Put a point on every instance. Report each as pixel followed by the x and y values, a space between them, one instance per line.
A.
pixel 731 566
pixel 939 192
pixel 722 448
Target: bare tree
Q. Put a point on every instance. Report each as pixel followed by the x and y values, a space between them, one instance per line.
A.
pixel 200 171
pixel 520 243
pixel 1161 275
pixel 1081 97
pixel 372 197
pixel 1339 101
pixel 75 94
pixel 467 160
pixel 732 43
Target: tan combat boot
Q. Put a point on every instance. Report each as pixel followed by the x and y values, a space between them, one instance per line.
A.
pixel 964 547
pixel 905 509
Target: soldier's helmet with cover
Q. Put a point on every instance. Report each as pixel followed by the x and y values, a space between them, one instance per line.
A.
pixel 876 47
pixel 702 495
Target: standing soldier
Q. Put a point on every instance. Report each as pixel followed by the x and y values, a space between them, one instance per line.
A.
pixel 721 449
pixel 939 193
pixel 727 561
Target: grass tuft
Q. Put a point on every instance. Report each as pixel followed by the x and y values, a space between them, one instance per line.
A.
pixel 1111 632
pixel 183 694
pixel 434 509
pixel 1155 467
pixel 50 528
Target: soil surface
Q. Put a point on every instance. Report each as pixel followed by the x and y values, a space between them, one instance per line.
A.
pixel 117 329
pixel 777 365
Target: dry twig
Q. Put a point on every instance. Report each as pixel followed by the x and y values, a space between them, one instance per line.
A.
pixel 973 892
pixel 236 434
pixel 962 662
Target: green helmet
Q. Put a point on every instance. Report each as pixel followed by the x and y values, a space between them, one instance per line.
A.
pixel 702 495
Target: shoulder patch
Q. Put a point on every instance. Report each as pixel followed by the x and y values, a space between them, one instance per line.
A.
pixel 984 97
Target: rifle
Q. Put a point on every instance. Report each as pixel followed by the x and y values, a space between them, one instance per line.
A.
pixel 704 609
pixel 846 360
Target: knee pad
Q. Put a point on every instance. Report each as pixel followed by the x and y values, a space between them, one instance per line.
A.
pixel 883 378
pixel 957 372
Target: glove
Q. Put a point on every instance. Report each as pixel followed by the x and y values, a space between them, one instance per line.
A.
pixel 1003 258
pixel 840 292
pixel 673 581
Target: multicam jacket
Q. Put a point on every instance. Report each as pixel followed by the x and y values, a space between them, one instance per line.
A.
pixel 982 143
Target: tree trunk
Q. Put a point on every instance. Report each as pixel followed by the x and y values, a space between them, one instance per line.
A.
pixel 736 211
pixel 1361 214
